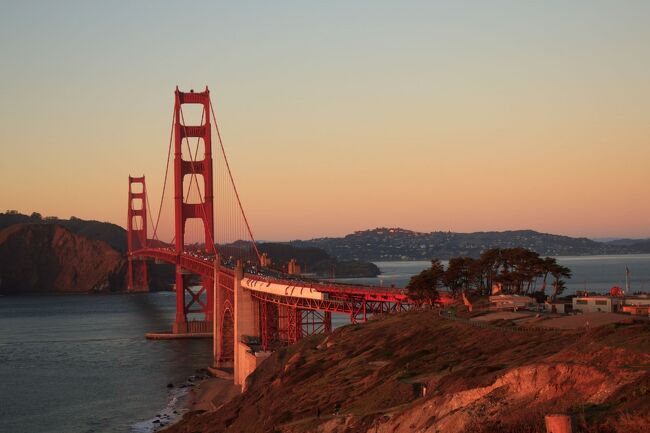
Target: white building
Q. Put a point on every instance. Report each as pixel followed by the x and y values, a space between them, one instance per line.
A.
pixel 595 304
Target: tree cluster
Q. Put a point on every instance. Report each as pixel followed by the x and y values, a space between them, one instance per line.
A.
pixel 514 270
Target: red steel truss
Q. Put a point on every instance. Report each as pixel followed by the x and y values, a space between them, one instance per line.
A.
pixel 316 322
pixel 356 307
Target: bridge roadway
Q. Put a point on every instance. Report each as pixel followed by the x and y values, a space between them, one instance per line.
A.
pixel 274 307
pixel 354 300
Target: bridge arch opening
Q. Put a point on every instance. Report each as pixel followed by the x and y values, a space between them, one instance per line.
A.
pixel 227 333
pixel 136 187
pixel 136 204
pixel 195 151
pixel 193 188
pixel 193 114
pixel 137 222
pixel 194 235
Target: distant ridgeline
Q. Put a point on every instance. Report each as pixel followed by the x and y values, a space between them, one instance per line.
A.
pixel 112 234
pixel 325 257
pixel 35 259
pixel 383 244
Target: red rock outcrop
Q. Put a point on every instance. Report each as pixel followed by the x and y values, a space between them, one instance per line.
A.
pixel 49 258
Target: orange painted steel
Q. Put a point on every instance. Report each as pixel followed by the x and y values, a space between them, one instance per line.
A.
pixel 184 210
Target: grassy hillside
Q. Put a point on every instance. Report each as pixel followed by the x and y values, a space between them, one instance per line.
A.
pixel 477 380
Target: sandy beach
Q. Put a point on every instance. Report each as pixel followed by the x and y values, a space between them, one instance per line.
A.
pixel 210 394
pixel 206 395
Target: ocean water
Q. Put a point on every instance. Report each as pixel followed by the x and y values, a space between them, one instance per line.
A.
pixel 80 363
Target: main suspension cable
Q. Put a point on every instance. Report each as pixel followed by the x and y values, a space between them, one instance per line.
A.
pixel 162 197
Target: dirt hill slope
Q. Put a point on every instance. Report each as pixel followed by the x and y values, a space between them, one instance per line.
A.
pixel 49 258
pixel 476 379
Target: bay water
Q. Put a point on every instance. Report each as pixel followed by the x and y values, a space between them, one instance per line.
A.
pixel 593 273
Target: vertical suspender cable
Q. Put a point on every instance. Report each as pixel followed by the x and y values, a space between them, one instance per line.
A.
pixel 232 181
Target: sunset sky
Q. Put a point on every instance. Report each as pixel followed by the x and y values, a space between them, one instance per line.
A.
pixel 340 115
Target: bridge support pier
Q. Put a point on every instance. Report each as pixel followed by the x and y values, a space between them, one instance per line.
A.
pixel 137 279
pixel 223 322
pixel 180 323
pixel 247 324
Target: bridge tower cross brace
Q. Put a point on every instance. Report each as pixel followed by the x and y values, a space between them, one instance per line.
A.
pixel 183 210
pixel 137 279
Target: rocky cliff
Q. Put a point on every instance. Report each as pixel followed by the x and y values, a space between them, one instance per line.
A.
pixel 36 258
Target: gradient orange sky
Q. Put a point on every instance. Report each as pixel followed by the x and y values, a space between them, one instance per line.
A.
pixel 340 116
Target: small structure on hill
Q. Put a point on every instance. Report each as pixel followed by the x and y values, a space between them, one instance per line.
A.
pixel 595 304
pixel 638 305
pixel 636 310
pixel 511 302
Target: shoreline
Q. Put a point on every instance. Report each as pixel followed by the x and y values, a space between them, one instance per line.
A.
pixel 206 394
pixel 210 394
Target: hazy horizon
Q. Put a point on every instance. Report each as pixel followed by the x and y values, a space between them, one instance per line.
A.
pixel 338 116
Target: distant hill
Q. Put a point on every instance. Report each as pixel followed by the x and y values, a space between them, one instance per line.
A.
pixel 112 234
pixel 643 244
pixel 317 261
pixel 400 244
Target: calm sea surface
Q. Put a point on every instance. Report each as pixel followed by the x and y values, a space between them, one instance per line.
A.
pixel 80 363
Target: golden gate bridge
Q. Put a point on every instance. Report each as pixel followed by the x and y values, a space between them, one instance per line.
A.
pixel 239 298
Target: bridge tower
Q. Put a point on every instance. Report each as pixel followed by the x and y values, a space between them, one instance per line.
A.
pixel 137 280
pixel 195 170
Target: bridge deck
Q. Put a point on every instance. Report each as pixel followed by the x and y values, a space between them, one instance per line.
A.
pixel 287 287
